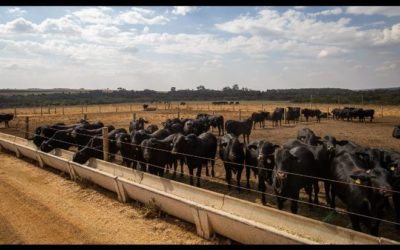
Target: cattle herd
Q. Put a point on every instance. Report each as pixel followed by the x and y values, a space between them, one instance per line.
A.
pixel 6 118
pixel 350 113
pixel 362 178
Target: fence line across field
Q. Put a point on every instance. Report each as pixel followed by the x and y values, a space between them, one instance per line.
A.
pixel 232 163
pixel 257 191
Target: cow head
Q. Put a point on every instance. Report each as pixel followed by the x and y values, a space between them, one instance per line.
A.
pixel 283 162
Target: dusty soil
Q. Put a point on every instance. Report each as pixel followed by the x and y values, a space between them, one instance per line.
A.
pixel 42 206
pixel 375 134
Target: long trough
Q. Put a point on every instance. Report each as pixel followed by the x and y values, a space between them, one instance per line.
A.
pixel 211 212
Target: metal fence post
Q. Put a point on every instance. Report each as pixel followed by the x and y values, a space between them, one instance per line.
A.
pixel 26 127
pixel 105 144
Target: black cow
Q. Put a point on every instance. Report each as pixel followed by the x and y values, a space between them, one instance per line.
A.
pixel 151 128
pixel 322 156
pixel 6 118
pixel 312 113
pixel 260 158
pixel 157 154
pixel 173 126
pixel 307 135
pixel 217 121
pixel 137 125
pixel 369 113
pixel 292 114
pixel 259 118
pixel 204 146
pixel 276 116
pixel 232 154
pixel 95 147
pixel 396 132
pixel 336 113
pixel 137 139
pixel 363 191
pixel 82 135
pixel 289 175
pixel 45 132
pixel 61 139
pixel 240 128
pixel 125 147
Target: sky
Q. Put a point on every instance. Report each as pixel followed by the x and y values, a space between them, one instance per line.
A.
pixel 257 47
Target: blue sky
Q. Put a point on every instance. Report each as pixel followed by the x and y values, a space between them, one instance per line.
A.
pixel 140 47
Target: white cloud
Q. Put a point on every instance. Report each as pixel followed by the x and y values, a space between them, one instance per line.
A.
pixel 335 11
pixel 387 66
pixel 332 51
pixel 141 16
pixel 17 11
pixel 389 11
pixel 95 15
pixel 183 10
pixel 19 25
pixel 388 35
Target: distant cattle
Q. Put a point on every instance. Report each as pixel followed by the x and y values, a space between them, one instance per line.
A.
pixel 277 116
pixel 396 132
pixel 259 117
pixel 220 103
pixel 215 121
pixel 311 113
pixel 183 103
pixel 6 118
pixel 292 114
pixel 350 113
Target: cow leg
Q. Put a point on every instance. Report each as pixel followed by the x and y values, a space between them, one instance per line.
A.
pixel 396 203
pixel 191 175
pixel 316 192
pixel 212 168
pixel 228 175
pixel 248 176
pixel 207 173
pixel 308 189
pixel 161 171
pixel 294 205
pixel 175 162
pixel 333 196
pixel 355 222
pixel 198 175
pixel 238 177
pixel 262 188
pixel 327 186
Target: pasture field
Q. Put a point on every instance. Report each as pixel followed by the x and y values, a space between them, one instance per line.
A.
pixel 375 134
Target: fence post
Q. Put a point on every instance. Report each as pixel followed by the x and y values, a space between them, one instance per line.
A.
pixel 26 127
pixel 240 114
pixel 134 116
pixel 328 114
pixel 85 117
pixel 105 143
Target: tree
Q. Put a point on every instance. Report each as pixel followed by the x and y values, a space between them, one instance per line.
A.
pixel 235 87
pixel 173 89
pixel 227 88
pixel 201 87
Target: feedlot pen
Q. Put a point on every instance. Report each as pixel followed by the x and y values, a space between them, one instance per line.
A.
pixel 375 134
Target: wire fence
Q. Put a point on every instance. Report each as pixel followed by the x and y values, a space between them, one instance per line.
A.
pixel 240 187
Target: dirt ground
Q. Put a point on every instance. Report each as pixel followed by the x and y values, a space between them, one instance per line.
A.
pixel 375 134
pixel 42 206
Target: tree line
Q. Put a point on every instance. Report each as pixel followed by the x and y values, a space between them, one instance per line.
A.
pixel 389 96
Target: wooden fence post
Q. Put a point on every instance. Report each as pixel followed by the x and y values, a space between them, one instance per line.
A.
pixel 105 144
pixel 26 127
pixel 85 117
